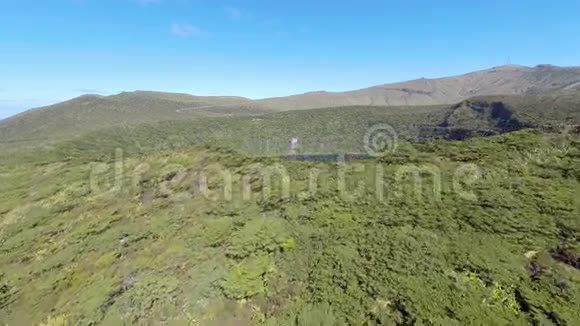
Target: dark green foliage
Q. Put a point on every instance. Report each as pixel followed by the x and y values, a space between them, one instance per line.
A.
pixel 145 122
pixel 157 250
pixel 334 130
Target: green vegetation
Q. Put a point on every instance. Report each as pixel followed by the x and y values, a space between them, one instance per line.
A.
pixel 487 234
pixel 336 130
pixel 190 219
pixel 92 112
pixel 321 129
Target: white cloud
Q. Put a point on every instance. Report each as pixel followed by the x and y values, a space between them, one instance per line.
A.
pixel 187 30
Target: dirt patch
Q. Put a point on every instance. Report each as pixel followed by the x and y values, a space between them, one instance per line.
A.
pixel 566 256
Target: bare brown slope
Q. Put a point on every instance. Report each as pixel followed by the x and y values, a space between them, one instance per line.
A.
pixel 504 80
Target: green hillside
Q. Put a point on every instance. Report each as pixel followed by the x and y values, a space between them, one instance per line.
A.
pixel 385 163
pixel 488 235
pixel 338 130
pixel 197 222
pixel 93 112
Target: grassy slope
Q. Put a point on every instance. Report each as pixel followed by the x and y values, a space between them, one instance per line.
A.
pixel 157 250
pixel 95 112
pixel 323 130
pixel 91 112
pixel 340 129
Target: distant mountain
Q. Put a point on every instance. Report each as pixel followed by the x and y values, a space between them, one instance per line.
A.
pixel 92 112
pixel 340 130
pixel 503 80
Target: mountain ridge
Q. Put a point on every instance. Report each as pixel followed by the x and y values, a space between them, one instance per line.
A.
pixel 499 80
pixel 91 112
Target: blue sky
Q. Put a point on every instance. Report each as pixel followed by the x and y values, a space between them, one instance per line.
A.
pixel 55 50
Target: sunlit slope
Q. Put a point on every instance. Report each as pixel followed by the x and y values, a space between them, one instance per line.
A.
pixel 91 112
pixel 340 130
pixel 489 236
pixel 503 80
